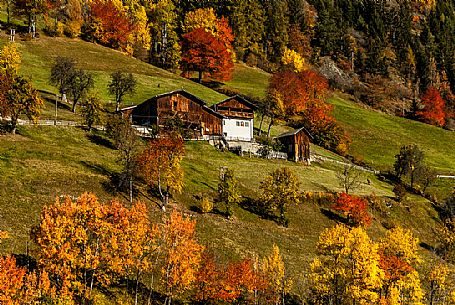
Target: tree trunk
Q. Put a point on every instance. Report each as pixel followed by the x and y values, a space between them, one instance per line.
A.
pixel 8 13
pixel 117 106
pixel 137 285
pixel 199 80
pixel 270 127
pixel 13 125
pixel 260 124
pixel 73 109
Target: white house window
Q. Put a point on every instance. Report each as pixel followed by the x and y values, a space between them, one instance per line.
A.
pixel 237 123
pixel 242 124
pixel 247 124
pixel 224 122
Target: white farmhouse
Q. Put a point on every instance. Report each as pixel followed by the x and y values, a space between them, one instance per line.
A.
pixel 238 121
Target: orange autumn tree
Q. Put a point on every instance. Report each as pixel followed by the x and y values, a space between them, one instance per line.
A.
pixel 303 95
pixel 160 166
pixel 181 254
pixel 434 108
pixel 354 208
pixel 216 282
pixel 83 241
pixel 207 54
pixel 109 25
pixel 11 281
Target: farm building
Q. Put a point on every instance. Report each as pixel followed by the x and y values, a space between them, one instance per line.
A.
pixel 189 110
pixel 296 144
pixel 238 118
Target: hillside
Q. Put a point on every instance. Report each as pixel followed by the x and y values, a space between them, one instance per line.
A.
pixel 38 56
pixel 376 137
pixel 44 162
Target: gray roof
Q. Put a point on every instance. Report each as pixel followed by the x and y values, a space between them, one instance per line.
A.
pixel 294 132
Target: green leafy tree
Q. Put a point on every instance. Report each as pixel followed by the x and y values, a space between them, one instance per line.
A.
pixel 248 24
pixel 279 190
pixel 128 144
pixel 407 162
pixel 92 111
pixel 276 26
pixel 62 72
pixel 228 192
pixel 165 47
pixel 18 97
pixel 120 85
pixel 80 84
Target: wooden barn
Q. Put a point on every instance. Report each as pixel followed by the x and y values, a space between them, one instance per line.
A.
pixel 239 116
pixel 296 144
pixel 198 119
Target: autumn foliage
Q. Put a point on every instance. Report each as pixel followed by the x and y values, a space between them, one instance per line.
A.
pixel 217 282
pixel 434 108
pixel 109 25
pixel 354 208
pixel 303 94
pixel 205 53
pixel 160 166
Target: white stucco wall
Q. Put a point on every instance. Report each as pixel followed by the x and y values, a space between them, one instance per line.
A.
pixel 233 129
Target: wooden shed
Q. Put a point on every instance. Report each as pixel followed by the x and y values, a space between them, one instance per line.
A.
pixel 296 144
pixel 191 110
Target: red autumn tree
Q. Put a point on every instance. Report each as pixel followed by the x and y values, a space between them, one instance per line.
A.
pixel 159 164
pixel 205 53
pixel 354 208
pixel 300 91
pixel 434 108
pixel 304 94
pixel 109 25
pixel 215 282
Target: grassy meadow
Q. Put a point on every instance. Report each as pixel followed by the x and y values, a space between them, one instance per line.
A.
pixel 42 163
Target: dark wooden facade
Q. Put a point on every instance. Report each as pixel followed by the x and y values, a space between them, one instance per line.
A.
pixel 235 107
pixel 296 144
pixel 192 111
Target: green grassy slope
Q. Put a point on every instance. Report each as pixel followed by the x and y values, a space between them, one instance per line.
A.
pixel 376 137
pixel 44 162
pixel 248 80
pixel 38 56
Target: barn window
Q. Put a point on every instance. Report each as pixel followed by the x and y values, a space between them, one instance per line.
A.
pixel 175 104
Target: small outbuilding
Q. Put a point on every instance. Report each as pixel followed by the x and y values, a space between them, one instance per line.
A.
pixel 296 144
pixel 238 118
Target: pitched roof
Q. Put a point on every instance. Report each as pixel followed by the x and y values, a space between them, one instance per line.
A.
pixel 240 99
pixel 185 94
pixel 294 132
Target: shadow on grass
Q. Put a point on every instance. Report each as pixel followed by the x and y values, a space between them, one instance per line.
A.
pixel 100 140
pixel 334 216
pixel 253 206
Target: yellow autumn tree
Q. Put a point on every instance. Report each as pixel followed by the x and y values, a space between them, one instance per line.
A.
pixel 274 271
pixel 181 254
pixel 440 284
pixel 204 18
pixel 293 60
pixel 346 270
pixel 399 258
pixel 10 59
